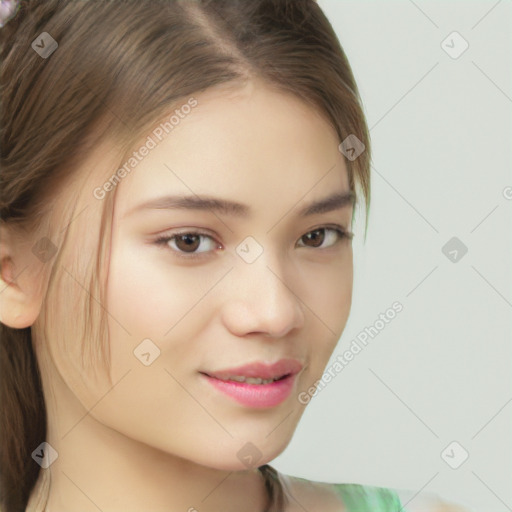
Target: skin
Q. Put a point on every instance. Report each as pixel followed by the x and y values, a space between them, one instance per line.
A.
pixel 163 439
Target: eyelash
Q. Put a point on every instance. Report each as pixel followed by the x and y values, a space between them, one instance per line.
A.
pixel 164 239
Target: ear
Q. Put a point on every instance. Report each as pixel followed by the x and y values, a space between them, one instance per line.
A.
pixel 20 302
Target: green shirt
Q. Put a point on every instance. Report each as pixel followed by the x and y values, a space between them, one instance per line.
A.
pixel 361 498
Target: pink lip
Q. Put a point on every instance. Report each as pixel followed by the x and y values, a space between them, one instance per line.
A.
pixel 258 395
pixel 260 369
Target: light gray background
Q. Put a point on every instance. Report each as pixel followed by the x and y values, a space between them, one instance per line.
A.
pixel 441 370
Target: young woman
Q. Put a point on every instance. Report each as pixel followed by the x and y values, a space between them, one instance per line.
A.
pixel 178 186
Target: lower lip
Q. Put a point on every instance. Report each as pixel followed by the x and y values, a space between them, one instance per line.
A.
pixel 258 396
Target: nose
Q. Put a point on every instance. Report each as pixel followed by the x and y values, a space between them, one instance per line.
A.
pixel 262 300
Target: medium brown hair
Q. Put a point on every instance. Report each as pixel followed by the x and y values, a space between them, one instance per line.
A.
pixel 118 67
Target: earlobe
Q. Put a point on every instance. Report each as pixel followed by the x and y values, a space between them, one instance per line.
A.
pixel 19 307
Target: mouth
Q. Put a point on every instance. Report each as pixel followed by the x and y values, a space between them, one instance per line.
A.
pixel 255 381
pixel 258 371
pixel 257 385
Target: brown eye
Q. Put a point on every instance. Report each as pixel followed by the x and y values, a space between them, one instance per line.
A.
pixel 187 242
pixel 315 238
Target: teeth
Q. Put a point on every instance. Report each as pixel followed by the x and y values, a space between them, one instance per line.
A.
pixel 250 380
pixel 238 379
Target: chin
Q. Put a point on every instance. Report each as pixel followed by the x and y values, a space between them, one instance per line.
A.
pixel 242 455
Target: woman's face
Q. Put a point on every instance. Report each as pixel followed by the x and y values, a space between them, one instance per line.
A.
pixel 256 283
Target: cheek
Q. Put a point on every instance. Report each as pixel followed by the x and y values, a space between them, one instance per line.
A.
pixel 145 291
pixel 150 298
pixel 328 297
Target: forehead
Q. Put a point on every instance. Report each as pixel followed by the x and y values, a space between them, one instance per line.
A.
pixel 253 143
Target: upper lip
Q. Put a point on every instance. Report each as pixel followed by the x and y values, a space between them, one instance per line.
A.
pixel 260 370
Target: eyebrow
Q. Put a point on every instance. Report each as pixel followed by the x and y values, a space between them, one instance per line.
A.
pixel 330 203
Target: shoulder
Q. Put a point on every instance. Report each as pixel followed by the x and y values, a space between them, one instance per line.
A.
pixel 316 496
